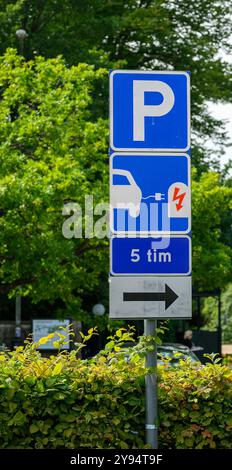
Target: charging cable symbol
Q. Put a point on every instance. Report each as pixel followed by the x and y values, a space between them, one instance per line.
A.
pixel 156 196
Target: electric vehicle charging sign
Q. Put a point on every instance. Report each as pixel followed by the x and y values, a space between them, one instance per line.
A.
pixel 149 111
pixel 150 204
pixel 150 194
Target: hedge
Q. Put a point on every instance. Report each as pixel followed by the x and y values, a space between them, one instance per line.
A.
pixel 65 402
pixel 227 360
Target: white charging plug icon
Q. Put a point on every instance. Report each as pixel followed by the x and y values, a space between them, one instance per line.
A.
pixel 159 196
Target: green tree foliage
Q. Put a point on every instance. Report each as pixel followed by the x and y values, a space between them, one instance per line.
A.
pixel 51 152
pixel 210 313
pixel 151 34
pixel 211 200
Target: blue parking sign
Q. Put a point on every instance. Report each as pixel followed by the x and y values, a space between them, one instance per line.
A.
pixel 149 111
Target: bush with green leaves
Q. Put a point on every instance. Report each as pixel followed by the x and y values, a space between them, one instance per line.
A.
pixel 66 402
pixel 227 360
pixel 196 407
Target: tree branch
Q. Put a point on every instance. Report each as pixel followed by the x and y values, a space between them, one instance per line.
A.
pixel 5 288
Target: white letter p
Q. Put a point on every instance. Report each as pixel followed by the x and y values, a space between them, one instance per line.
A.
pixel 140 110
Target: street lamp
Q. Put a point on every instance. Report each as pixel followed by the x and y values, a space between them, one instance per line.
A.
pixel 98 310
pixel 21 35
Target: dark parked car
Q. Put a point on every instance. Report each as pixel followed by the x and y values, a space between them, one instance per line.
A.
pixel 169 354
pixel 173 353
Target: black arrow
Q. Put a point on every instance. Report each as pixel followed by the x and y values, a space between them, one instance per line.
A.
pixel 169 296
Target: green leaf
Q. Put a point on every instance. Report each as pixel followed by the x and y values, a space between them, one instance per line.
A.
pixel 33 428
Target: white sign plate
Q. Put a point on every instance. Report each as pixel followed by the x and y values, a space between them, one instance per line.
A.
pixel 139 298
pixel 44 327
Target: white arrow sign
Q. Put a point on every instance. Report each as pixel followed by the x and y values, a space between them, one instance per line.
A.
pixel 144 298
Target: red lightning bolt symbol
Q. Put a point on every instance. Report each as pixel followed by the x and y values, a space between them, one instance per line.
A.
pixel 178 197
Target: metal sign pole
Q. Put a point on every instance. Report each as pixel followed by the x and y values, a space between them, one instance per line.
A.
pixel 18 316
pixel 151 389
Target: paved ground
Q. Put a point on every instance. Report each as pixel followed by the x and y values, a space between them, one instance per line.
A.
pixel 227 349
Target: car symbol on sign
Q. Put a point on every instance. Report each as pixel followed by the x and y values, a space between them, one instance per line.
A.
pixel 126 196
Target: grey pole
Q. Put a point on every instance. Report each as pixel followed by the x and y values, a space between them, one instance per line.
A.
pixel 219 324
pixel 18 316
pixel 151 389
pixel 21 35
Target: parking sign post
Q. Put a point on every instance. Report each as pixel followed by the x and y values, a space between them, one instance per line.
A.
pixel 150 207
pixel 151 425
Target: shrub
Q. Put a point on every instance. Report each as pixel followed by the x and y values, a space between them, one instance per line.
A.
pixel 195 406
pixel 66 402
pixel 227 360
